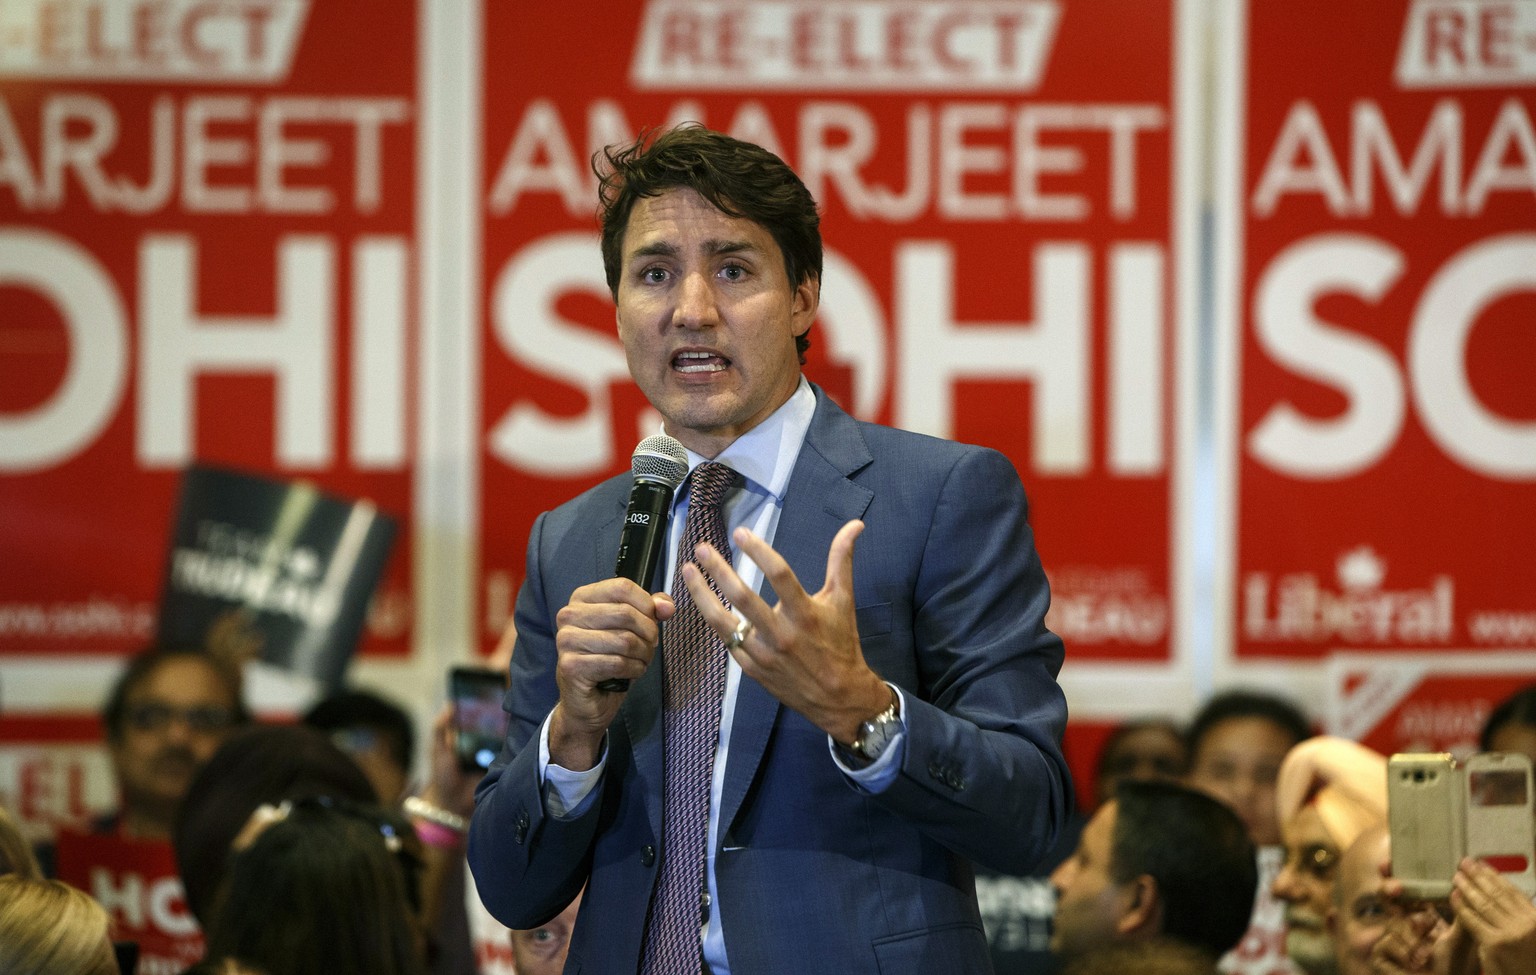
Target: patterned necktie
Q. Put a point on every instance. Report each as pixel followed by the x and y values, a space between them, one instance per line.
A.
pixel 693 666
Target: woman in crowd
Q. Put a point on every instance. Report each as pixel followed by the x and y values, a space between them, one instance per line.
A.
pixel 322 888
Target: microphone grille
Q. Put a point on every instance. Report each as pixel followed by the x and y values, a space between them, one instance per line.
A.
pixel 660 458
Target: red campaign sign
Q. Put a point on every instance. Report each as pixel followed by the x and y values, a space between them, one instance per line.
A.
pixel 1384 222
pixel 997 190
pixel 208 232
pixel 1416 705
pixel 136 881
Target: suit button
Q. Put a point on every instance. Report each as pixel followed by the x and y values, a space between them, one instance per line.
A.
pixel 936 770
pixel 522 827
pixel 955 782
pixel 648 855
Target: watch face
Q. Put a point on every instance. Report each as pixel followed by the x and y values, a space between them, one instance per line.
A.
pixel 875 735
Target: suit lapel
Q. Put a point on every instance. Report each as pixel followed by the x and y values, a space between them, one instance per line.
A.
pixel 820 500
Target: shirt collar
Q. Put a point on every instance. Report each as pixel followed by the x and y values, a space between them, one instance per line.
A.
pixel 765 455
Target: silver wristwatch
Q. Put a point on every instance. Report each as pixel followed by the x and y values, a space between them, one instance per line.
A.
pixel 875 734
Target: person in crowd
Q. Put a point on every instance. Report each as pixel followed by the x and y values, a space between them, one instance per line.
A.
pixel 263 765
pixel 440 815
pixel 1491 929
pixel 1236 742
pixel 1017 910
pixel 16 856
pixel 48 927
pixel 323 887
pixel 1511 726
pixel 1359 915
pixel 1158 862
pixel 1489 925
pixel 1329 792
pixel 376 732
pixel 168 712
pixel 1139 751
pixel 542 950
pixel 824 739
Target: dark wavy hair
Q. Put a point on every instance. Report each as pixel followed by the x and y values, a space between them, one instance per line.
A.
pixel 263 764
pixel 738 178
pixel 1517 709
pixel 1247 704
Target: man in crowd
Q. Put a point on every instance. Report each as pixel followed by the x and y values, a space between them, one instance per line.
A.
pixel 166 715
pixel 1330 791
pixel 1360 911
pixel 541 950
pixel 825 735
pixel 1158 862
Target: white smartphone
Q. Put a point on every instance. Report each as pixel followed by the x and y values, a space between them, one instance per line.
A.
pixel 1501 827
pixel 1426 812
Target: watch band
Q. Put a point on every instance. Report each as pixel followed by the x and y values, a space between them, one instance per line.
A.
pixel 875 734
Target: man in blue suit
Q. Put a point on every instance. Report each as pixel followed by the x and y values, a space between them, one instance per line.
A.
pixel 890 711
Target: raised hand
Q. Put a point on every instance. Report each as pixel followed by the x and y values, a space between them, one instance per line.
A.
pixel 805 650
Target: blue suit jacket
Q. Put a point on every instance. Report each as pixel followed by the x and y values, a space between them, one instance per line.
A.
pixel 813 874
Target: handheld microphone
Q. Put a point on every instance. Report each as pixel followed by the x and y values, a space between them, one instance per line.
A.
pixel 660 464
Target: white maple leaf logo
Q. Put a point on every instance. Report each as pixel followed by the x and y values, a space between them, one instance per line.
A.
pixel 1361 568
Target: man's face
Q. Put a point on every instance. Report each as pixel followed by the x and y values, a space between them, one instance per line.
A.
pixel 173 721
pixel 1238 761
pixel 1305 884
pixel 1088 901
pixel 541 951
pixel 1360 916
pixel 708 318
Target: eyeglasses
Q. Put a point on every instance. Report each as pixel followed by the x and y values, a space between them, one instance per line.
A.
pixel 156 716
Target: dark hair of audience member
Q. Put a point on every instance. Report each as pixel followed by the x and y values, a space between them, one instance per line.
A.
pixel 16 856
pixel 1207 899
pixel 321 892
pixel 145 663
pixel 267 764
pixel 1118 760
pixel 48 927
pixel 346 710
pixel 1248 704
pixel 1517 710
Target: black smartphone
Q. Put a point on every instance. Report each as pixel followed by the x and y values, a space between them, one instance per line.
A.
pixel 479 723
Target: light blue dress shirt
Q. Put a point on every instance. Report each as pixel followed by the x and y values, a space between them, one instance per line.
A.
pixel 765 457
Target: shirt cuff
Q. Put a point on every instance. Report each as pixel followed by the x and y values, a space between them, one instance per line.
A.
pixel 878 775
pixel 567 794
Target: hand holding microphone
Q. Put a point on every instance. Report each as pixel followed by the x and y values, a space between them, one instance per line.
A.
pixel 660 464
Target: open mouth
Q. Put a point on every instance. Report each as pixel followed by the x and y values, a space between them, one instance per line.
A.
pixel 700 362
